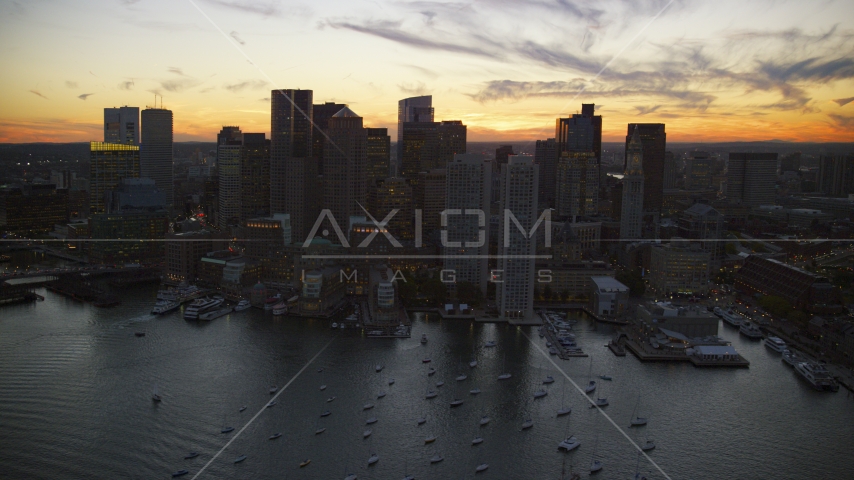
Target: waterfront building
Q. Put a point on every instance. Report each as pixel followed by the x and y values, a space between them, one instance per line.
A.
pixel 803 289
pixel 468 187
pixel 121 125
pixel 516 249
pixel 632 204
pixel 379 155
pixel 155 151
pixel 608 297
pixel 702 223
pixel 751 179
pixel 322 291
pixel 109 163
pixel 688 322
pixel 653 142
pixel 678 267
pixel 32 209
pixel 571 280
pixel 185 250
pixel 293 169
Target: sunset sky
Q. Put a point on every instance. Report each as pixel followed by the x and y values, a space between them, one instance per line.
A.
pixel 712 71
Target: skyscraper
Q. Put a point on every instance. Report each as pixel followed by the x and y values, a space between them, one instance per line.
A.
pixel 413 109
pixel 516 249
pixel 155 152
pixel 121 125
pixel 545 155
pixel 393 193
pixel 751 179
pixel 631 215
pixel 654 142
pixel 835 175
pixel 417 147
pixel 109 163
pixel 577 186
pixel 379 155
pixel 228 151
pixel 581 133
pixel 293 171
pixel 429 196
pixel 468 187
pixel 345 158
pixel 669 180
pixel 450 140
pixel 698 171
pixel 254 176
pixel 321 114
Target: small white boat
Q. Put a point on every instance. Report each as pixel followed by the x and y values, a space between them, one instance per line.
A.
pixel 273 389
pixel 351 476
pixel 368 406
pixel 422 421
pixel 274 436
pixel 371 421
pixel 477 441
pixel 436 458
pixel 242 305
pixel 431 372
pixel 504 376
pixel 280 308
pixel 564 411
pixel 638 421
pixel 490 344
pixel 331 399
pixel 374 459
pixel 549 379
pixel 367 433
pixel 775 343
pixel 605 377
pixel 481 468
pixel 591 386
pixel 323 387
pixel 472 363
pixel 569 444
pixel 431 394
pixel 527 424
pixel 191 455
pixel 155 397
pixel 240 459
pixel 595 466
pixel 242 408
pixel 462 377
pixel 423 338
pixel 391 381
pixel 227 430
pixel 430 439
pixel 334 324
pixel 600 402
pixel 320 430
pixel 440 383
pixel 540 393
pixel 271 404
pixel 750 331
pixel 474 391
pixel 379 368
pixel 649 445
pixel 456 403
pixel 326 413
pixel 381 395
pixel 484 420
pixel 304 463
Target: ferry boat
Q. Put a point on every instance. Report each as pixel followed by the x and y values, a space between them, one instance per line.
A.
pixel 792 358
pixel 817 376
pixel 272 302
pixel 200 306
pixel 169 295
pixel 280 308
pixel 165 306
pixel 750 331
pixel 242 305
pixel 213 314
pixel 730 317
pixel 775 343
pixel 423 338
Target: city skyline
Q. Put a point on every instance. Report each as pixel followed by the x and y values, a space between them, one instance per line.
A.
pixel 758 74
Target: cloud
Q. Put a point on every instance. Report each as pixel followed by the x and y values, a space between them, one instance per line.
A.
pixel 646 110
pixel 843 101
pixel 236 38
pixel 84 96
pixel 70 84
pixel 176 71
pixel 417 88
pixel 390 30
pixel 126 85
pixel 842 121
pixel 36 92
pixel 252 84
pixel 265 9
pixel 179 85
pixel 265 99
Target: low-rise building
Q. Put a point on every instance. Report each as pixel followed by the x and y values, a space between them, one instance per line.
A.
pixel 608 297
pixel 679 267
pixel 692 322
pixel 322 291
pixel 803 289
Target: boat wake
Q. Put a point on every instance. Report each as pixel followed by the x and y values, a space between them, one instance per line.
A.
pixel 133 321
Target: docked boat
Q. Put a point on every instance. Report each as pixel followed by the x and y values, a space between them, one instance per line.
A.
pixel 540 393
pixel 423 338
pixel 304 463
pixel 431 394
pixel 591 386
pixel 649 445
pixel 240 459
pixel 180 473
pixel 371 421
pixel 274 436
pixel 200 306
pixel 477 441
pixel 214 314
pixel 280 308
pixel 430 439
pixel 367 433
pixel 484 420
pixel 456 402
pixel 242 305
pixel 272 302
pixel 750 331
pixel 775 343
pixel 440 383
pixel 474 391
pixel 553 351
pixel 817 376
pixel 527 424
pixel 436 458
pixel 549 379
pixel 792 358
pixel 191 455
pixel 165 306
pixel 481 468
pixel 462 377
pixel 730 317
pixel 569 444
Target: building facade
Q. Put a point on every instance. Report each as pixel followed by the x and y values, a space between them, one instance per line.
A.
pixel 109 163
pixel 678 268
pixel 634 184
pixel 121 125
pixel 577 186
pixel 155 151
pixel 653 140
pixel 751 179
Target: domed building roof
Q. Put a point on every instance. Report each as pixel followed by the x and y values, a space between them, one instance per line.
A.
pixel 259 286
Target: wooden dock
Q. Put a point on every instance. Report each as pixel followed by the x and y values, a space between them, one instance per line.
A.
pixel 562 353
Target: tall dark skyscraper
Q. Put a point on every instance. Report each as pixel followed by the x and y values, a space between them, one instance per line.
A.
pixel 109 164
pixel 654 141
pixel 751 178
pixel 321 115
pixel 293 170
pixel 155 152
pixel 121 125
pixel 345 156
pixel 545 155
pixel 412 110
pixel 502 153
pixel 379 155
pixel 254 176
pixel 835 175
pixel 417 147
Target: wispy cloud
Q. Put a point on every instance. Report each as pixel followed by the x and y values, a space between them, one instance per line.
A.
pixel 36 92
pixel 84 96
pixel 126 85
pixel 251 84
pixel 843 101
pixel 70 84
pixel 266 9
pixel 236 37
pixel 179 85
pixel 842 121
pixel 176 71
pixel 417 88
